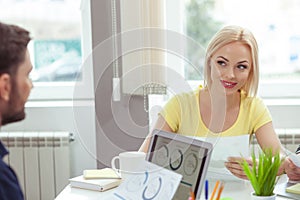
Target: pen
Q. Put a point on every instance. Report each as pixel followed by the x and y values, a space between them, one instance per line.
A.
pixel 220 191
pixel 214 190
pixel 206 190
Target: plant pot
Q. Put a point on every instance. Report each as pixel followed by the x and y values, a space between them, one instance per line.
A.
pixel 254 197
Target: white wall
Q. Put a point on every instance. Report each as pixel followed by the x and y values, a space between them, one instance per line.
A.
pixel 285 116
pixel 62 116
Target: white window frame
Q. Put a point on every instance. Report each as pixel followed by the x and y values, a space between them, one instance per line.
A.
pixel 81 90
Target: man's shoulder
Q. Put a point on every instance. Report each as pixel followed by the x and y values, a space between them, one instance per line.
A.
pixel 9 185
pixel 3 150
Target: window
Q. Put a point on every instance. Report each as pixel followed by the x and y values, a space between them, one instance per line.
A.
pixel 56 47
pixel 276 29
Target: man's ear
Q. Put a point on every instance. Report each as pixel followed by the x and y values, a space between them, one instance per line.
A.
pixel 5 86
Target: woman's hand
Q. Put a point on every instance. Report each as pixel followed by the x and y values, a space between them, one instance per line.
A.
pixel 292 171
pixel 234 166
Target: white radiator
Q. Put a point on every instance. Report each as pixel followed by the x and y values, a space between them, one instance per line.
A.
pixel 40 160
pixel 289 138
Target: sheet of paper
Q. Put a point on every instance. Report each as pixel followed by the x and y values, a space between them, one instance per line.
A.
pixel 294 157
pixel 154 183
pixel 225 147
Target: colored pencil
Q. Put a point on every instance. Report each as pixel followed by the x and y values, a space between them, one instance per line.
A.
pixel 206 190
pixel 220 191
pixel 214 190
pixel 192 194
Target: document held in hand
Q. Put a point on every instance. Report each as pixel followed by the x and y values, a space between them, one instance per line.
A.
pixel 94 184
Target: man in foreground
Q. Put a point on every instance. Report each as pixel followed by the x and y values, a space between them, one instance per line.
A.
pixel 15 86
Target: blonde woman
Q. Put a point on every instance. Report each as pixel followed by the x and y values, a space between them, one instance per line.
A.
pixel 226 105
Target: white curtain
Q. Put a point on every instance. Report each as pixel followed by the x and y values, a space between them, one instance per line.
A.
pixel 143 46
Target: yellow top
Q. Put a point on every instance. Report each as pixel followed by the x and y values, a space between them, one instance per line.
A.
pixel 182 113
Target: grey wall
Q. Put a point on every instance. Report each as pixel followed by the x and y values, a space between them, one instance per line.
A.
pixel 121 125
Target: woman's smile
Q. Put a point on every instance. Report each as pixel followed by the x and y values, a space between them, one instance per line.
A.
pixel 228 84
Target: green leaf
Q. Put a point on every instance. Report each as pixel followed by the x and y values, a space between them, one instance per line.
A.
pixel 263 175
pixel 254 163
pixel 250 175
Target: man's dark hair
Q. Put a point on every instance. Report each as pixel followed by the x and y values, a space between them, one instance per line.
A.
pixel 13 45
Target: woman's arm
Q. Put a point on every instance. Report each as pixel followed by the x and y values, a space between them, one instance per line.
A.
pixel 267 138
pixel 160 124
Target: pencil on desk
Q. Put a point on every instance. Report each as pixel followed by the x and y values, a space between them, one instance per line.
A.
pixel 192 194
pixel 214 190
pixel 220 191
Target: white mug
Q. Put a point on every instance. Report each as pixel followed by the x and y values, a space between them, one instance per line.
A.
pixel 130 162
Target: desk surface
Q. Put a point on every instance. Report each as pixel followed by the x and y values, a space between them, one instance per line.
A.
pixel 235 190
pixel 70 193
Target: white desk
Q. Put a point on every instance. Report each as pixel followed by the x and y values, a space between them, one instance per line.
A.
pixel 70 193
pixel 235 190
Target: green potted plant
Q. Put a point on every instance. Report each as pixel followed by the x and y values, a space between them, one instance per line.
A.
pixel 263 173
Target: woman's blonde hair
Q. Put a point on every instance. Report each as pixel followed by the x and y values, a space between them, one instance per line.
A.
pixel 228 35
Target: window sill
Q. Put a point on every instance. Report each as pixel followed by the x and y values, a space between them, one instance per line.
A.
pixel 60 103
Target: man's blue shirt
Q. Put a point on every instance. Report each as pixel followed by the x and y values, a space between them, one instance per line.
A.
pixel 9 186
